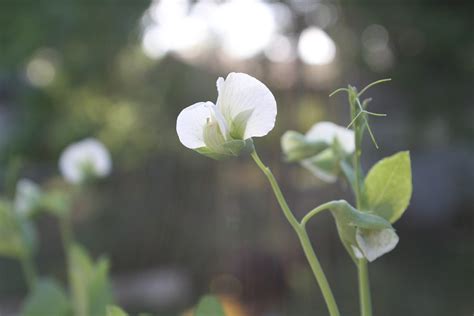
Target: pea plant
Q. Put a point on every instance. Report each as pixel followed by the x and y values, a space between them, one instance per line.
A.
pixel 246 108
pixel 89 291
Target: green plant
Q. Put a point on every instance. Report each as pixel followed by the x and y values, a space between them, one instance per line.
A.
pixel 245 108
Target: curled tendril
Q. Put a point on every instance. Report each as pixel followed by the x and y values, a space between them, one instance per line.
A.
pixel 362 106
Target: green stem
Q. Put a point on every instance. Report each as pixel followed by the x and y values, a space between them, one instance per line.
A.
pixel 303 237
pixel 364 288
pixel 65 227
pixel 362 268
pixel 66 232
pixel 29 271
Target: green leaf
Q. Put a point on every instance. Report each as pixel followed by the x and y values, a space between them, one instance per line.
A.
pixel 209 306
pixel 113 310
pixel 48 298
pixel 388 186
pixel 91 289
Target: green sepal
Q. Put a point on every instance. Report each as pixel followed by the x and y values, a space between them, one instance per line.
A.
pixel 348 220
pixel 209 305
pixel 350 216
pixel 388 186
pixel 212 154
pixel 296 147
pixel 229 149
pixel 47 298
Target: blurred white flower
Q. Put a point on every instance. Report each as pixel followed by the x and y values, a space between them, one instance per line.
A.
pixel 328 132
pixel 245 108
pixel 321 149
pixel 84 159
pixel 375 243
pixel 27 197
pixel 325 165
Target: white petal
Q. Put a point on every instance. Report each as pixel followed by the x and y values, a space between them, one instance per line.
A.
pixel 217 116
pixel 328 131
pixel 357 252
pixel 89 152
pixel 241 92
pixel 190 124
pixel 27 196
pixel 318 172
pixel 219 83
pixel 375 243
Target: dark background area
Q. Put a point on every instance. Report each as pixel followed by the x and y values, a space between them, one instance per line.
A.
pixel 177 225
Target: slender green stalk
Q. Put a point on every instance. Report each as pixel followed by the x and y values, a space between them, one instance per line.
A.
pixel 29 271
pixel 363 273
pixel 66 232
pixel 303 237
pixel 364 288
pixel 373 84
pixel 315 211
pixel 67 240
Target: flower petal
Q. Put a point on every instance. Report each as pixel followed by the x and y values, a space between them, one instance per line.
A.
pixel 375 243
pixel 328 131
pixel 323 165
pixel 86 153
pixel 27 197
pixel 240 93
pixel 190 124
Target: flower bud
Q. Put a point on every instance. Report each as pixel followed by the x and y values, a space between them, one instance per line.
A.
pixel 296 147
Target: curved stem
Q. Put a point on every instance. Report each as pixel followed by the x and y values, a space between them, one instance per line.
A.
pixel 303 237
pixel 315 211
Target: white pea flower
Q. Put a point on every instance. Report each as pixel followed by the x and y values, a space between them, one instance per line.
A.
pixel 245 108
pixel 27 197
pixel 329 132
pixel 316 150
pixel 85 159
pixel 375 243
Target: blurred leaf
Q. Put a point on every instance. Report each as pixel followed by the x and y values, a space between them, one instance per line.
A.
pixel 15 239
pixel 56 202
pixel 115 311
pixel 209 306
pixel 90 284
pixel 48 298
pixel 388 186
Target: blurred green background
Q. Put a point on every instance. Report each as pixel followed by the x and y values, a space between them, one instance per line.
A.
pixel 177 225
